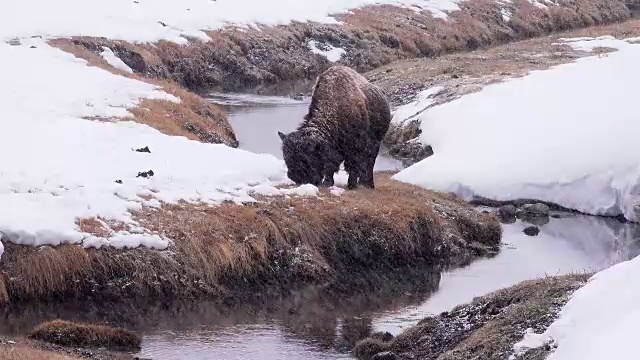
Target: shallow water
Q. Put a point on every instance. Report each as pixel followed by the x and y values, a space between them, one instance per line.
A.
pixel 256 121
pixel 568 245
pixel 572 244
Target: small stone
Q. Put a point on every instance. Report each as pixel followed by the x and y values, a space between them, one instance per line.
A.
pixel 531 231
pixel 146 174
pixel 143 150
pixel 507 211
pixel 385 355
pixel 118 181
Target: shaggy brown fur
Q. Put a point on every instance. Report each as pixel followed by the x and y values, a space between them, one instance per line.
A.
pixel 347 120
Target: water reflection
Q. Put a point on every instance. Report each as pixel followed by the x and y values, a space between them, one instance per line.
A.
pixel 571 244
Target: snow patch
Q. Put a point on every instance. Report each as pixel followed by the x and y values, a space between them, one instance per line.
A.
pixel 331 53
pixel 506 14
pixel 413 110
pixel 590 43
pixel 599 321
pixel 498 142
pixel 336 191
pixel 115 61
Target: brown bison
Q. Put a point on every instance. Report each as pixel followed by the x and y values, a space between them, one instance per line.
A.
pixel 347 119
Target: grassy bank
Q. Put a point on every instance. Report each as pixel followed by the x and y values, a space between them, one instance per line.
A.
pixel 237 252
pixel 486 328
pixel 239 59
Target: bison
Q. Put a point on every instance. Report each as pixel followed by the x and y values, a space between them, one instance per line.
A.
pixel 347 119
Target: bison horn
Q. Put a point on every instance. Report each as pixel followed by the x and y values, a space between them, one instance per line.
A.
pixel 282 136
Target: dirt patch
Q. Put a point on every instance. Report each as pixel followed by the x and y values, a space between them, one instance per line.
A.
pixel 69 334
pixel 194 117
pixel 236 252
pixel 240 59
pixel 465 73
pixel 487 328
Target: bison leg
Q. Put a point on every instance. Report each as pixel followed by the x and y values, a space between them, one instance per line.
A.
pixel 353 170
pixel 367 178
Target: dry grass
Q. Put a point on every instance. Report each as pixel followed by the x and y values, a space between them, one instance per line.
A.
pixel 275 246
pixel 194 117
pixel 76 335
pixel 23 352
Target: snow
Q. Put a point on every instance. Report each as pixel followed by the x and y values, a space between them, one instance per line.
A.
pixel 115 61
pixel 153 20
pixel 565 135
pixel 506 14
pixel 424 100
pixel 599 321
pixel 59 167
pixel 332 54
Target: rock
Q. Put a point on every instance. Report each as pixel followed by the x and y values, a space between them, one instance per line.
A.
pixel 145 174
pixel 118 181
pixel 538 209
pixel 298 97
pixel 531 231
pixel 382 335
pixel 506 214
pixel 143 150
pixel 386 355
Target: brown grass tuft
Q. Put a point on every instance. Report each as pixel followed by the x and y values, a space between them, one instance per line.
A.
pixel 70 334
pixel 237 251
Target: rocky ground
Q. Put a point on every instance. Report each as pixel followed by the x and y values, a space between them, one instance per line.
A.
pixel 486 328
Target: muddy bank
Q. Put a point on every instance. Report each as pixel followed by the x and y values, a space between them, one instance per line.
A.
pixel 238 252
pixel 486 328
pixel 239 58
pixel 460 74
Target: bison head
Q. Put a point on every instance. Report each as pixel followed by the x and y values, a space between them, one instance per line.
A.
pixel 303 152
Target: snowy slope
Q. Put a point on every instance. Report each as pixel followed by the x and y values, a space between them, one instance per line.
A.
pixel 568 135
pixel 57 167
pixel 140 20
pixel 599 321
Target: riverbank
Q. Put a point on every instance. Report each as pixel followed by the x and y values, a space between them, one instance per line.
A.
pixel 234 252
pixel 486 328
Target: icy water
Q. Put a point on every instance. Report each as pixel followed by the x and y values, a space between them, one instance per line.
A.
pixel 570 244
pixel 256 121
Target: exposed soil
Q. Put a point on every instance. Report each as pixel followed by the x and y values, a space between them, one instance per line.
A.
pixel 239 252
pixel 463 73
pixel 487 328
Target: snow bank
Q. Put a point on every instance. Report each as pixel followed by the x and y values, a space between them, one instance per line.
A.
pixel 57 167
pixel 599 321
pixel 413 110
pixel 153 20
pixel 568 135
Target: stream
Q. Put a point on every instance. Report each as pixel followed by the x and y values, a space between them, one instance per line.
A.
pixel 572 243
pixel 307 327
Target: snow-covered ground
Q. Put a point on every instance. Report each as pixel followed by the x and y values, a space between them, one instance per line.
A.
pixel 58 167
pixel 599 321
pixel 568 135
